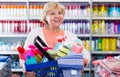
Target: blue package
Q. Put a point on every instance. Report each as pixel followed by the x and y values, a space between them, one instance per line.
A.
pixel 4 58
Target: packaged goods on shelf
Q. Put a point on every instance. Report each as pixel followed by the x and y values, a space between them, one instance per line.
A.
pixel 5 66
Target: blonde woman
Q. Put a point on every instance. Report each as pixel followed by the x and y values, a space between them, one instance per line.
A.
pixel 53 16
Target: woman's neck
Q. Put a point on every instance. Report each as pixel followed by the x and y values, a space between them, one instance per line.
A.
pixel 52 29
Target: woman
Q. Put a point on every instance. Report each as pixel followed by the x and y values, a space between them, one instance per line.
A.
pixel 53 16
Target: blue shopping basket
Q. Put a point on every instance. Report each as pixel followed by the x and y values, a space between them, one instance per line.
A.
pixel 46 69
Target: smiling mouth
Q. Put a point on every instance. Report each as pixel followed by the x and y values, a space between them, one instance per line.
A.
pixel 57 21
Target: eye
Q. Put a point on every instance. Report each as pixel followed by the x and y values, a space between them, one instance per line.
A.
pixel 60 13
pixel 52 13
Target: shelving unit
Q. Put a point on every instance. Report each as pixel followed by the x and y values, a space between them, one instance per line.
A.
pixel 12 37
pixel 101 54
pixel 105 0
pixel 16 36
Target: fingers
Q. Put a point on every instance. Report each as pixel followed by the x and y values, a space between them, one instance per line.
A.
pixel 29 74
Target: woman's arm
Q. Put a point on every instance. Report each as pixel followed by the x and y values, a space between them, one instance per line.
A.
pixel 86 54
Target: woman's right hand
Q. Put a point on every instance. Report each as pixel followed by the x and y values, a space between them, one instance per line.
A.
pixel 29 74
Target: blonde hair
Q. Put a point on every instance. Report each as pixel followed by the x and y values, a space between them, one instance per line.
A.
pixel 51 6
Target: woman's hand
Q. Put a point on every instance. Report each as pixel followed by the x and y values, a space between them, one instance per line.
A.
pixel 85 62
pixel 29 74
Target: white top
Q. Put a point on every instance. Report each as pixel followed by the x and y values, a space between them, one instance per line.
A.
pixel 70 38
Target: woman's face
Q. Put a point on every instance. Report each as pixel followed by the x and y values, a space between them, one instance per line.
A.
pixel 54 17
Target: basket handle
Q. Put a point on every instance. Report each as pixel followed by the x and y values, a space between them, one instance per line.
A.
pixel 41 41
pixel 41 49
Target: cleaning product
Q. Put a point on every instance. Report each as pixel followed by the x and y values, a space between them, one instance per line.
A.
pixel 30 60
pixel 37 56
pixel 21 51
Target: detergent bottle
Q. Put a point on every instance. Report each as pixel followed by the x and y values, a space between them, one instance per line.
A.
pixel 30 60
pixel 22 53
pixel 37 56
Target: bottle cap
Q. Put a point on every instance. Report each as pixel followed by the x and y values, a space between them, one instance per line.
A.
pixel 35 52
pixel 28 56
pixel 21 49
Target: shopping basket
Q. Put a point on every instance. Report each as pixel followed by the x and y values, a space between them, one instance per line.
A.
pixel 55 68
pixel 46 69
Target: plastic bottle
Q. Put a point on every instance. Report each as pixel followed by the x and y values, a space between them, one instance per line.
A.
pixel 109 10
pixel 112 27
pixel 40 10
pixel 15 26
pixel 8 27
pixel 119 28
pixel 103 44
pixel 1 27
pixel 30 60
pixel 70 10
pixel 95 10
pixel 114 10
pixel 2 11
pixel 24 10
pixel 108 27
pixel 5 10
pixel 103 27
pixel 96 43
pixel 97 28
pixel 107 45
pixel 21 51
pixel 99 44
pixel 93 45
pixel 103 10
pixel 88 10
pixel 87 27
pixel 93 28
pixel 87 44
pixel 118 43
pixel 59 42
pixel 119 10
pixel 116 27
pixel 113 44
pixel 37 56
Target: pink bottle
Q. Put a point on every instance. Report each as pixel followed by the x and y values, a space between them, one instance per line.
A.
pixel 116 27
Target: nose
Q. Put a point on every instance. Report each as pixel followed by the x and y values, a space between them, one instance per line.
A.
pixel 57 15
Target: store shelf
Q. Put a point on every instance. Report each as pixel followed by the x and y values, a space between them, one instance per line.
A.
pixel 26 18
pixel 14 35
pixel 86 69
pixel 13 18
pixel 78 18
pixel 17 70
pixel 66 18
pixel 106 18
pixel 83 35
pixel 60 0
pixel 9 52
pixel 105 52
pixel 105 35
pixel 105 1
pixel 13 0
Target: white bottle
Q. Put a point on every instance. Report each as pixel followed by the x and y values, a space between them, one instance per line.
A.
pixel 1 30
pixel 12 26
pixel 8 27
pixel 103 27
